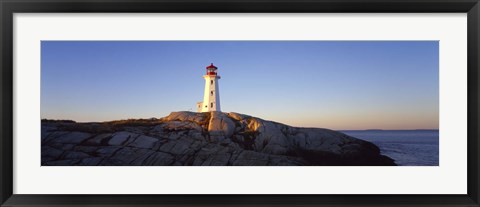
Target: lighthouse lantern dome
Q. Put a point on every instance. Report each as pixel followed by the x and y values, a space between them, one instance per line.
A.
pixel 211 69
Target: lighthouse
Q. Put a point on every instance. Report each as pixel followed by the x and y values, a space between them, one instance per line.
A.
pixel 211 95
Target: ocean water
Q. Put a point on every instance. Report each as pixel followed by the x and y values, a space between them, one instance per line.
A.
pixel 406 147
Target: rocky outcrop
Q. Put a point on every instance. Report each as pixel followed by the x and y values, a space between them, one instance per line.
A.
pixel 211 138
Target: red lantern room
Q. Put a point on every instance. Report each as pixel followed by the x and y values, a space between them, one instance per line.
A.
pixel 211 69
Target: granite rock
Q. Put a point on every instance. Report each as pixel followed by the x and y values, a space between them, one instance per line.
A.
pixel 201 139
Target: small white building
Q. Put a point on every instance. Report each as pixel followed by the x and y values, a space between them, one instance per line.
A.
pixel 211 95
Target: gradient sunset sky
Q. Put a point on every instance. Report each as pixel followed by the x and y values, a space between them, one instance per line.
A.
pixel 330 84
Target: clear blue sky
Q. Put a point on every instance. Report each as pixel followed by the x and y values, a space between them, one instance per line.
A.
pixel 330 84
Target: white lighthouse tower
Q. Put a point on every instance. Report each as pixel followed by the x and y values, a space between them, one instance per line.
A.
pixel 211 96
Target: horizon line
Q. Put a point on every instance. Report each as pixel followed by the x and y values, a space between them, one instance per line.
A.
pixel 369 129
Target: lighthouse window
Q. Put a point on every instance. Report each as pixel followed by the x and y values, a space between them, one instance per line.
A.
pixel 211 93
pixel 211 82
pixel 211 105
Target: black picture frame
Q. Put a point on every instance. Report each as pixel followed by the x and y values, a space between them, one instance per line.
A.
pixel 9 7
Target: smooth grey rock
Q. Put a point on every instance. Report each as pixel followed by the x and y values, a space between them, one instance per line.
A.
pixel 143 154
pixel 220 125
pixel 159 158
pixel 181 125
pixel 218 159
pixel 237 116
pixel 126 154
pixel 167 147
pixel 51 152
pixel 210 138
pixel 143 142
pixel 183 116
pixel 86 149
pixel 180 147
pixel 98 139
pixel 121 137
pixel 251 158
pixel 73 137
pixel 75 155
pixel 52 135
pixel 45 131
pixel 91 161
pixel 107 151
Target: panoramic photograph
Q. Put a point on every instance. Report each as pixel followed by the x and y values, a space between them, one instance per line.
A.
pixel 239 103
